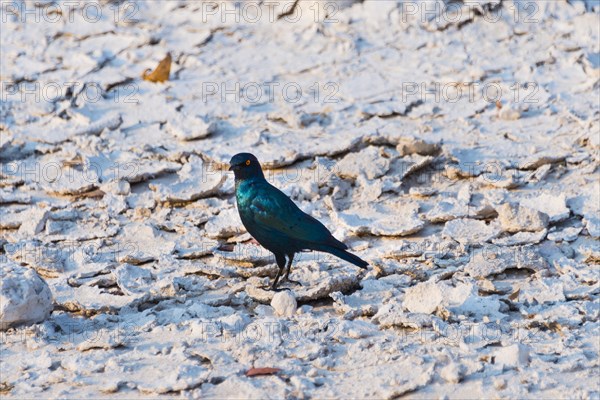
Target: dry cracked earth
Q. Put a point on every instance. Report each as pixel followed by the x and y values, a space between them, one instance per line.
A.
pixel 452 145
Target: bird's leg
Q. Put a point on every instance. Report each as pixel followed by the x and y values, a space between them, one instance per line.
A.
pixel 281 264
pixel 287 273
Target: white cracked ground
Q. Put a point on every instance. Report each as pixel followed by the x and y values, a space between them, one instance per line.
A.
pixel 453 146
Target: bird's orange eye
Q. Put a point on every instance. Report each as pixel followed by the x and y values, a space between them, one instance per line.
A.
pixel 247 162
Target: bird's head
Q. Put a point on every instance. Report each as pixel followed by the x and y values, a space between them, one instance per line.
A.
pixel 245 165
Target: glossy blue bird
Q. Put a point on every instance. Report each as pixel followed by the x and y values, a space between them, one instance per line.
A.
pixel 276 222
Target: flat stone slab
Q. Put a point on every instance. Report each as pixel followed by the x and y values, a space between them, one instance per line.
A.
pixel 318 281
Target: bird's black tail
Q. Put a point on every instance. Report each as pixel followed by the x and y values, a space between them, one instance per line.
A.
pixel 345 255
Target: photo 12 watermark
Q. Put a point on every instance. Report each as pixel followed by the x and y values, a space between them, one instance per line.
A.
pixel 55 91
pixel 86 333
pixel 254 12
pixel 453 92
pixel 439 12
pixel 88 172
pixel 69 11
pixel 267 11
pixel 269 92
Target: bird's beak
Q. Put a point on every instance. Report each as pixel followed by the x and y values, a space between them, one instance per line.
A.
pixel 231 168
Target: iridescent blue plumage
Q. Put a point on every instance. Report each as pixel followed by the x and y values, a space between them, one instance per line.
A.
pixel 276 222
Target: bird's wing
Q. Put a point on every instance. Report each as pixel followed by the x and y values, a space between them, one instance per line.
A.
pixel 274 211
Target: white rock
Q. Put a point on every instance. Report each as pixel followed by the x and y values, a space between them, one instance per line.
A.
pixel 47 260
pixel 72 181
pixel 380 219
pixel 509 112
pixel 537 160
pixel 34 221
pixel 114 204
pixel 364 302
pixel 513 356
pixel 410 164
pixel 587 206
pixel 195 180
pixel 592 224
pixel 110 121
pixel 463 299
pixel 25 297
pixel 515 218
pixel 449 208
pixel 133 279
pixel 370 189
pixel 452 373
pixel 141 242
pixel 509 179
pixel 423 298
pixel 553 206
pixel 411 145
pixel 460 298
pixel 468 231
pixel 305 309
pixel 187 127
pixel 521 238
pixel 226 224
pixel 117 187
pixel 540 173
pixel 546 290
pixel 104 342
pixel 369 161
pixel 141 170
pixel 284 303
pixel 12 220
pixel 234 322
pixel 499 383
pixel 464 194
pixel 392 315
pixel 492 260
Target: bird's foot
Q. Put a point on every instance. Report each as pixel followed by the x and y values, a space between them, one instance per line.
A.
pixel 293 282
pixel 269 287
pixel 274 287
